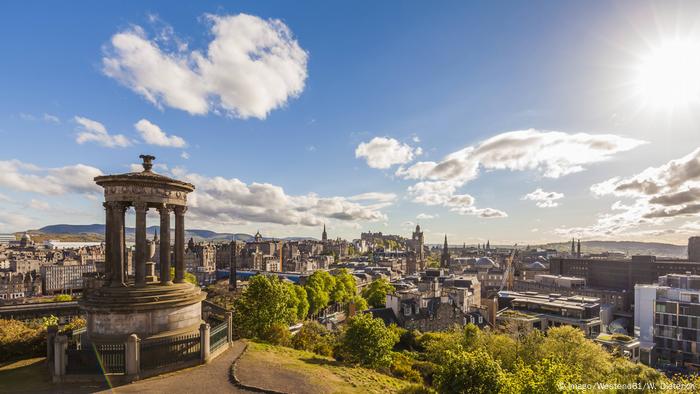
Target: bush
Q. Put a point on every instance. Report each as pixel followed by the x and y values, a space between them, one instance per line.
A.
pixel 63 298
pixel 21 340
pixel 366 341
pixel 402 368
pixel 277 334
pixel 313 337
pixel 469 372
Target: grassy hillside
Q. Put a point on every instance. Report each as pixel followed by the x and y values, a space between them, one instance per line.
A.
pixel 294 371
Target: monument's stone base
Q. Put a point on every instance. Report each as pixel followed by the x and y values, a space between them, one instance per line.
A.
pixel 152 311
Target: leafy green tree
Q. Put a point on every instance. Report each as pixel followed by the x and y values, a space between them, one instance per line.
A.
pixel 376 292
pixel 569 346
pixel 189 277
pixel 318 289
pixel 265 304
pixel 469 372
pixel 360 303
pixel 345 286
pixel 367 341
pixel 303 302
pixel 544 377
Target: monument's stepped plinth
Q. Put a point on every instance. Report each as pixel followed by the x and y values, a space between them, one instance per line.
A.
pixel 151 311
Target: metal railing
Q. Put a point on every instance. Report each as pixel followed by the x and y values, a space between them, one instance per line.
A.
pixel 162 352
pixel 218 336
pixel 96 359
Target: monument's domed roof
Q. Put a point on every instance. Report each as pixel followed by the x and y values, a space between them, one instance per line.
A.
pixel 26 237
pixel 147 176
pixel 536 266
pixel 485 262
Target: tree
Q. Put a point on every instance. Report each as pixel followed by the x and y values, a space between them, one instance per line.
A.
pixel 544 377
pixel 360 303
pixel 367 341
pixel 318 289
pixel 345 286
pixel 469 372
pixel 189 277
pixel 568 345
pixel 376 292
pixel 63 298
pixel 303 302
pixel 265 305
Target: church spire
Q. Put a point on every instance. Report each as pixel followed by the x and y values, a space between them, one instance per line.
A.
pixel 445 257
pixel 324 235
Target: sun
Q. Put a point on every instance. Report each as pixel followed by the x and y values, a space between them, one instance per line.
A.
pixel 668 77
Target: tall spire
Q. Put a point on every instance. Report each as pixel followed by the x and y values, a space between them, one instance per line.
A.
pixel 578 248
pixel 573 247
pixel 445 257
pixel 324 235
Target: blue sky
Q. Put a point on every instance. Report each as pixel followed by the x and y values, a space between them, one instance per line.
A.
pixel 547 95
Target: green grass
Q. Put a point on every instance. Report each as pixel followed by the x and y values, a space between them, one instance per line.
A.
pixel 29 375
pixel 315 373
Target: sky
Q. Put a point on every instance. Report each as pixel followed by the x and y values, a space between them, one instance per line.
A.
pixel 525 122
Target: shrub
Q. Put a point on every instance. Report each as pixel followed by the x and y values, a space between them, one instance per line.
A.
pixel 21 340
pixel 313 337
pixel 402 368
pixel 469 372
pixel 367 341
pixel 63 298
pixel 277 334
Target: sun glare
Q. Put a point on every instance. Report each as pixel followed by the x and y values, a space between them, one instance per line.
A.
pixel 669 76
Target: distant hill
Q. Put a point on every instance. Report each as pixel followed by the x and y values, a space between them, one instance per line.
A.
pixel 92 230
pixel 629 247
pixel 96 231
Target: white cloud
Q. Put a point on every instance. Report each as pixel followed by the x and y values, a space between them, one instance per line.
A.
pixel 658 195
pixel 185 155
pixel 94 131
pixel 374 196
pixel 39 205
pixel 551 153
pixel 251 67
pixel 544 199
pixel 152 134
pixel 383 152
pixel 12 221
pixel 231 201
pixel 26 177
pixel 425 216
pixel 51 119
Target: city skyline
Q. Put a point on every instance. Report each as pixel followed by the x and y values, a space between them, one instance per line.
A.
pixel 288 117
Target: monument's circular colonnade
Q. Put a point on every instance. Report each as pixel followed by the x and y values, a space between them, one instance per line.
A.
pixel 144 304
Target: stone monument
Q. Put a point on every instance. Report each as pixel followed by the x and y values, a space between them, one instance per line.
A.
pixel 147 305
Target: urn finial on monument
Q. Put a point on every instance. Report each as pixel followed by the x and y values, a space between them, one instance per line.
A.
pixel 147 162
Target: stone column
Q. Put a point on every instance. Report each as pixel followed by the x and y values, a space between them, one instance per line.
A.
pixel 204 330
pixel 118 260
pixel 59 352
pixel 108 241
pixel 165 245
pixel 229 323
pixel 51 333
pixel 132 356
pixel 180 243
pixel 140 252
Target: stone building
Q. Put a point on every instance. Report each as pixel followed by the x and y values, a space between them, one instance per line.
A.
pixel 63 278
pixel 17 286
